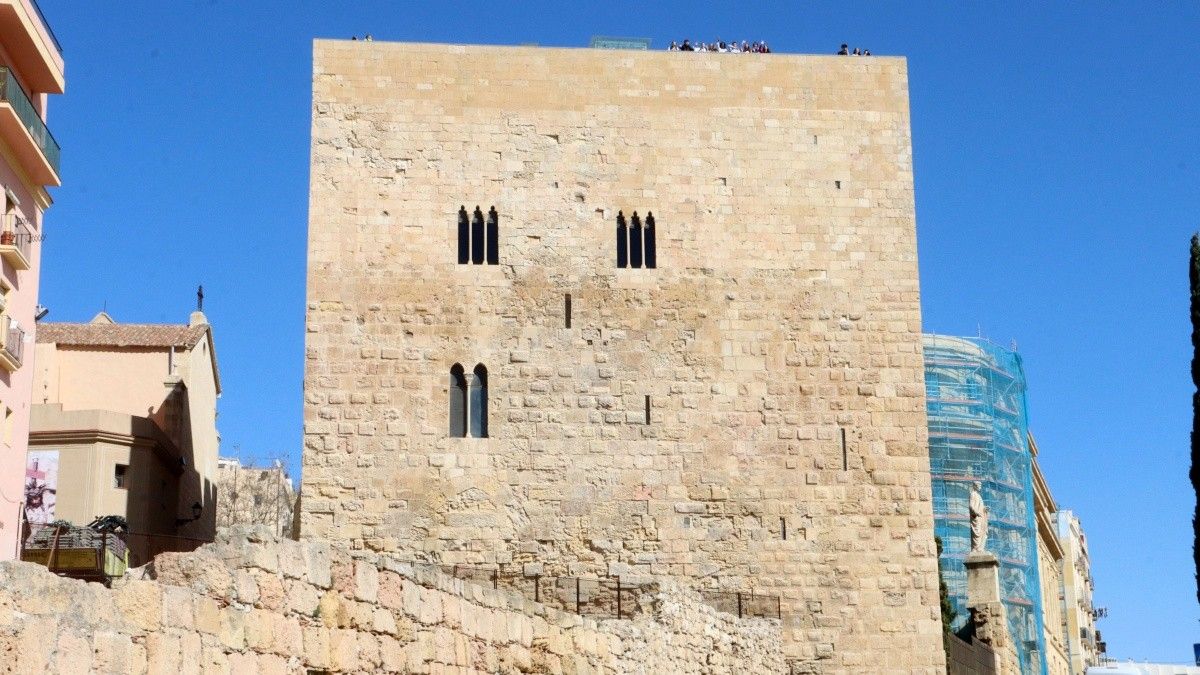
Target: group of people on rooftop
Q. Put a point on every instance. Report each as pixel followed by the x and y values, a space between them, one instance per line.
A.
pixel 721 46
pixel 845 51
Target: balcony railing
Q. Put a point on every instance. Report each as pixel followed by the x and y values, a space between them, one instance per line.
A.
pixel 16 241
pixel 13 351
pixel 12 93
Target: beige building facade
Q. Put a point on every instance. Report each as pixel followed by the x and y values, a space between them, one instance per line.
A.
pixel 740 405
pixel 1050 571
pixel 1079 613
pixel 125 418
pixel 31 72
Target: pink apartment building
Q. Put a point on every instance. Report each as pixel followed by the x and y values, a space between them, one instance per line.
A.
pixel 31 68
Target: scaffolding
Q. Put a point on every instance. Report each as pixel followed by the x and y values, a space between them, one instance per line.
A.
pixel 978 431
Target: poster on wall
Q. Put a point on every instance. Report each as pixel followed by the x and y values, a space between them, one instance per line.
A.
pixel 41 486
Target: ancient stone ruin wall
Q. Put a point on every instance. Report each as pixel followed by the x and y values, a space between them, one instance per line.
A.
pixel 285 607
pixel 775 348
pixel 255 496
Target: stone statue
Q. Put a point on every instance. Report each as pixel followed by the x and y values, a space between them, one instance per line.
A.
pixel 979 519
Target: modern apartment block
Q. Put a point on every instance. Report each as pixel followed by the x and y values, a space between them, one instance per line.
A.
pixel 31 69
pixel 627 314
pixel 1084 646
pixel 124 423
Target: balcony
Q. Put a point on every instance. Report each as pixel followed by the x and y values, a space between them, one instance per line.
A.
pixel 16 242
pixel 31 47
pixel 13 350
pixel 24 131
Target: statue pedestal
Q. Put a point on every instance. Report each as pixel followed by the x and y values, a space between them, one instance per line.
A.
pixel 983 578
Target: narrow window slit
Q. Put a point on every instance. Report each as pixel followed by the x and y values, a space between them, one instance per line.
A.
pixel 622 242
pixel 477 237
pixel 845 454
pixel 651 249
pixel 635 241
pixel 493 237
pixel 477 402
pixel 568 310
pixel 464 227
pixel 647 408
pixel 783 527
pixel 458 402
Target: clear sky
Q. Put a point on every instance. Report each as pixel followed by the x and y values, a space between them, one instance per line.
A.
pixel 1057 155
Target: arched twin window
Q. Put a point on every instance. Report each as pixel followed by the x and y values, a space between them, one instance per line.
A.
pixel 635 244
pixel 475 239
pixel 468 402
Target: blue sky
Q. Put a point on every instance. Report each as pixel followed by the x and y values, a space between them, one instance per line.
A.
pixel 1057 162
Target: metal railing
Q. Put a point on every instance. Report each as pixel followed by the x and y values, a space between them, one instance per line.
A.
pixel 16 232
pixel 133 548
pixel 12 93
pixel 14 339
pixel 46 25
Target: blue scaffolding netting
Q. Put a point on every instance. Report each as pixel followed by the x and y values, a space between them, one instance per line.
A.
pixel 978 431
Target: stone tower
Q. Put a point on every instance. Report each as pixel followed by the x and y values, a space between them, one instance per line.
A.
pixel 740 405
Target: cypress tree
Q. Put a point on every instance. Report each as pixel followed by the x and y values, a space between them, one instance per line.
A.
pixel 948 613
pixel 1194 472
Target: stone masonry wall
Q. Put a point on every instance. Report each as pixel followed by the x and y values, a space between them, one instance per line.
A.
pixel 782 318
pixel 244 606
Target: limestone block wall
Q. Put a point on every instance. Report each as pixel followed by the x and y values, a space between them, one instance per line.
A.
pixel 278 606
pixel 775 348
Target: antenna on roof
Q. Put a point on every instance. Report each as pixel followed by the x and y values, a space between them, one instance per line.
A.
pixel 200 298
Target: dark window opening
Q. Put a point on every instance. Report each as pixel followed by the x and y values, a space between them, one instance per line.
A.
pixel 458 402
pixel 121 476
pixel 567 310
pixel 477 237
pixel 651 252
pixel 464 237
pixel 622 242
pixel 647 408
pixel 837 184
pixel 636 245
pixel 493 237
pixel 845 453
pixel 783 527
pixel 478 243
pixel 477 402
pixel 635 241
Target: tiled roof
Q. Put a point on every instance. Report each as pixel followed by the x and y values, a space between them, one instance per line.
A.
pixel 121 335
